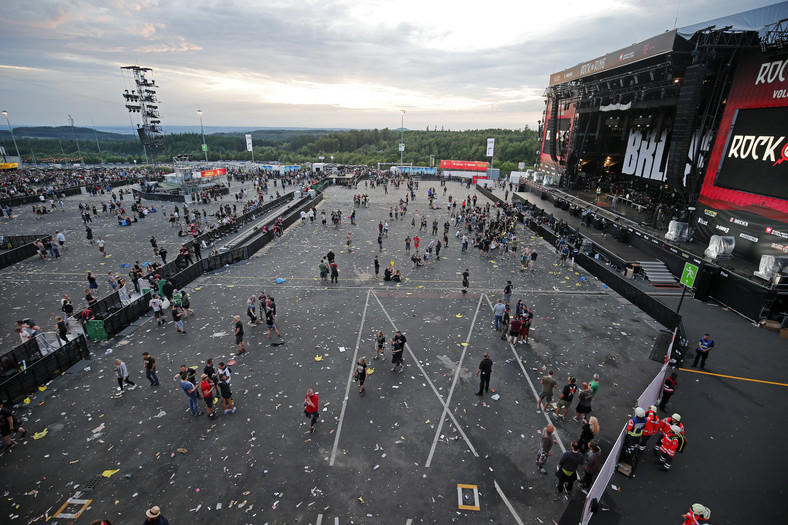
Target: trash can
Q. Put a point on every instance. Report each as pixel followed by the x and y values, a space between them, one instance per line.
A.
pixel 631 270
pixel 96 330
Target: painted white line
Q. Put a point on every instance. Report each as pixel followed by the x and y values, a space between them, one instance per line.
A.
pixel 349 382
pixel 453 384
pixel 508 505
pixel 319 519
pixel 336 520
pixel 410 520
pixel 533 388
pixel 429 381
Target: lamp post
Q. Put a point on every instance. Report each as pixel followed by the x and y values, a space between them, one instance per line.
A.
pixel 202 131
pixel 5 114
pixel 401 136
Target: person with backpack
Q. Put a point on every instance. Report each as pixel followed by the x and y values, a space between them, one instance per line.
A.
pixel 9 425
pixel 673 442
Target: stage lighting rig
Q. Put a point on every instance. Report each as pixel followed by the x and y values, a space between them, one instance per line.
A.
pixel 143 101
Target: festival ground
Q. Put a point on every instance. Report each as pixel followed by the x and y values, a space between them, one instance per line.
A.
pixel 396 454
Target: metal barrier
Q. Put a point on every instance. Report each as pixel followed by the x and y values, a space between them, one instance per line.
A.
pixel 16 255
pixel 23 379
pixel 36 199
pixel 9 242
pixel 123 317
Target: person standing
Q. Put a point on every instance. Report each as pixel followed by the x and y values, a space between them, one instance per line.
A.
pixel 567 469
pixel 153 517
pixel 250 311
pixel 583 404
pixel 545 446
pixel 705 345
pixel 311 409
pixel 589 431
pixel 507 292
pixel 484 372
pixel 697 515
pixel 334 272
pixel 498 311
pixel 567 395
pixel 651 428
pixel 101 246
pixel 361 375
pixel 515 325
pixel 465 280
pixel 150 369
pixel 377 266
pixel 546 395
pixel 9 425
pixel 380 340
pixel 227 396
pixel 407 244
pixel 192 394
pixel 158 314
pixel 62 329
pixel 669 446
pixel 594 384
pixel 207 388
pixel 593 464
pixel 122 373
pixel 668 389
pixel 270 319
pixel 239 335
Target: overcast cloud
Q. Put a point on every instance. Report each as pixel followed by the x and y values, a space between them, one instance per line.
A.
pixel 331 63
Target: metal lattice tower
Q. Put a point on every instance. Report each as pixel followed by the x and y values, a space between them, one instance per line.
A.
pixel 143 101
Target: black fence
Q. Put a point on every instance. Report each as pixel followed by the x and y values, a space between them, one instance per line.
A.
pixel 117 317
pixel 617 282
pixel 36 199
pixel 9 242
pixel 11 257
pixel 18 380
pixel 169 197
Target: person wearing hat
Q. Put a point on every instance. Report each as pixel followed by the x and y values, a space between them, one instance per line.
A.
pixel 651 428
pixel 207 388
pixel 665 425
pixel 634 431
pixel 697 515
pixel 153 517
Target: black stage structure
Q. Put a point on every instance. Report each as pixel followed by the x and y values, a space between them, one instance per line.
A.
pixel 690 126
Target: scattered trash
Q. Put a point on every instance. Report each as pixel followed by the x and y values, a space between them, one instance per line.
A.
pixel 109 473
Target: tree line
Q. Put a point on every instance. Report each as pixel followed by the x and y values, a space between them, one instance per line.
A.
pixel 370 146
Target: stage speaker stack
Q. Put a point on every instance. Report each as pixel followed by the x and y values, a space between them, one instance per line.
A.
pixel 684 125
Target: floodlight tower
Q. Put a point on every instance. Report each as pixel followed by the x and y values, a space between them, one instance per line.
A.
pixel 143 101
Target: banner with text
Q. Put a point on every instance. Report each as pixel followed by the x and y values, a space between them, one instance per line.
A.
pixel 469 165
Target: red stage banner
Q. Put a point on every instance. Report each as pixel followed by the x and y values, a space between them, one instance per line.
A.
pixel 213 173
pixel 464 165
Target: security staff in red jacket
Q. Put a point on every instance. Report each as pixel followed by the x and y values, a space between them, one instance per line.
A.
pixel 697 515
pixel 669 446
pixel 664 427
pixel 651 428
pixel 668 389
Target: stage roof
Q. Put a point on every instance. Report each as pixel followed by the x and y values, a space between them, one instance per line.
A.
pixel 753 20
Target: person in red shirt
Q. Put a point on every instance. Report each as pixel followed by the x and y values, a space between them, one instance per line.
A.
pixel 651 428
pixel 207 389
pixel 697 515
pixel 311 409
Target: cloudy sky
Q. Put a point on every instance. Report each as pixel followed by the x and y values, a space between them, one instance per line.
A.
pixel 332 63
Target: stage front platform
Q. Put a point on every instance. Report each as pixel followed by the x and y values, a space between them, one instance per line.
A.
pixel 629 240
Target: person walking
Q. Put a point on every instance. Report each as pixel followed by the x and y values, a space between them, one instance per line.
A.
pixel 567 469
pixel 465 280
pixel 177 316
pixel 153 517
pixel 9 425
pixel 158 313
pixel 122 374
pixel 545 446
pixel 311 409
pixel 239 335
pixel 546 395
pixel 668 389
pixel 102 247
pixel 698 515
pixel 705 345
pixel 484 372
pixel 227 396
pixel 361 375
pixel 192 394
pixel 150 369
pixel 62 329
pixel 671 442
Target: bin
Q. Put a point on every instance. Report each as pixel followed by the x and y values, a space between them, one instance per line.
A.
pixel 96 330
pixel 631 270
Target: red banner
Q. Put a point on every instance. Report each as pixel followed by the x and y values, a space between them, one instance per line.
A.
pixel 213 173
pixel 470 165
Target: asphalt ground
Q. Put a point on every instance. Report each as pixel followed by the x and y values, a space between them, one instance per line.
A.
pixel 734 452
pixel 396 454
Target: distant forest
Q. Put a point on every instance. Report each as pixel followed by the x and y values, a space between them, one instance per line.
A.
pixel 57 145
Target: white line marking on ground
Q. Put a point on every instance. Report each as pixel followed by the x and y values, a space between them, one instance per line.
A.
pixel 508 505
pixel 533 388
pixel 429 381
pixel 453 383
pixel 319 519
pixel 349 382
